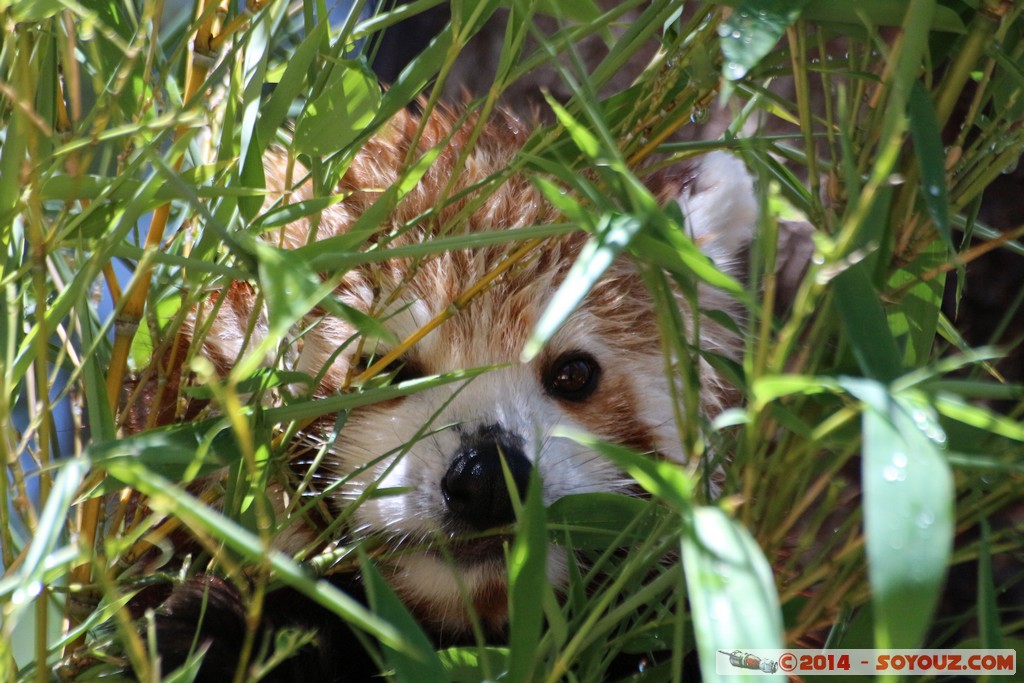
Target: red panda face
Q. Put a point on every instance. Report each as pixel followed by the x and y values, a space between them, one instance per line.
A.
pixel 440 451
pixel 427 472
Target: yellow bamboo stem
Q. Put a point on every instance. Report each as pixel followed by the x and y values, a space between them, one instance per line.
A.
pixel 138 291
pixel 453 308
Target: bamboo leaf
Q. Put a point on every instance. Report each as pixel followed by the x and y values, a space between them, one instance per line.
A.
pixel 293 82
pixel 988 607
pixel 908 512
pixel 598 520
pixel 31 574
pixel 879 13
pixel 916 315
pixel 614 233
pixel 416 659
pixel 730 588
pixel 291 288
pixel 341 112
pixel 254 67
pixel 580 10
pixel 665 480
pixel 527 582
pixel 865 325
pixel 752 30
pixel 931 159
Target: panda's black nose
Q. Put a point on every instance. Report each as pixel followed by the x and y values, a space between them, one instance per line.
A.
pixel 474 487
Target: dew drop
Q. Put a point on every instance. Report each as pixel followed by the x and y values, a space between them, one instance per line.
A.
pixel 1011 167
pixel 735 70
pixel 925 519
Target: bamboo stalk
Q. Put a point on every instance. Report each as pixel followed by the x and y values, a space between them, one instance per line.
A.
pixel 39 243
pixel 138 290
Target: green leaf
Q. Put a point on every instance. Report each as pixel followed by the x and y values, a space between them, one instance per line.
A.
pixel 289 213
pixel 685 260
pixel 1007 84
pixel 771 387
pixel 916 315
pixel 371 220
pixel 730 588
pixel 597 520
pixel 254 72
pixel 586 141
pixel 94 375
pixel 908 512
pixel 341 112
pixel 614 233
pixel 260 381
pixel 293 83
pixel 30 574
pixel 469 664
pixel 252 178
pixel 878 13
pixel 527 583
pixel 335 254
pixel 305 410
pixel 931 160
pixel 955 408
pixel 666 480
pixel 416 660
pixel 865 325
pixel 988 607
pixel 143 347
pixel 752 30
pixel 289 285
pixel 34 10
pixel 179 452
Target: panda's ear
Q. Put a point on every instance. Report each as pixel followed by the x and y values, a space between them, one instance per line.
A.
pixel 720 208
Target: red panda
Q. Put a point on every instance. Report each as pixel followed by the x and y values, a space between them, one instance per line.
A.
pixel 444 451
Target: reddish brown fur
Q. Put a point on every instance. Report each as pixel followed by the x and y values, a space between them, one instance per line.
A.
pixel 617 315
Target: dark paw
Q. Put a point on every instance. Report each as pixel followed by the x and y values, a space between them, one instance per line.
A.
pixel 208 614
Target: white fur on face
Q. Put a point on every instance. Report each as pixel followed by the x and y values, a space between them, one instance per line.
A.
pixel 403 449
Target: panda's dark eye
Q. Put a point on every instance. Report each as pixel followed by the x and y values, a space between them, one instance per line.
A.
pixel 573 376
